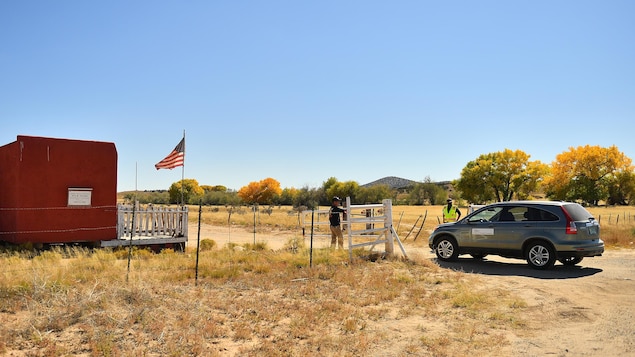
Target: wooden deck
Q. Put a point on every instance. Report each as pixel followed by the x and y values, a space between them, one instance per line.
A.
pixel 143 241
pixel 150 225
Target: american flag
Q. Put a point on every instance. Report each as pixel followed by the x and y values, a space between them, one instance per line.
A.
pixel 175 159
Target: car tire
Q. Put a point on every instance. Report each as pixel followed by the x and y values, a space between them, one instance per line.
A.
pixel 570 261
pixel 540 255
pixel 478 256
pixel 446 249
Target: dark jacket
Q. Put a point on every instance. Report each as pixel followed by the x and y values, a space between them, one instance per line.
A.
pixel 334 215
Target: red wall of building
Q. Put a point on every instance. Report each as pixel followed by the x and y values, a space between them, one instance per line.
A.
pixel 35 176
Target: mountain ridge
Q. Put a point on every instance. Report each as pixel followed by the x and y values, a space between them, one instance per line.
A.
pixel 395 182
pixel 392 181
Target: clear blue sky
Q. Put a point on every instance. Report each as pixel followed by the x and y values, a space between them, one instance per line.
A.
pixel 301 91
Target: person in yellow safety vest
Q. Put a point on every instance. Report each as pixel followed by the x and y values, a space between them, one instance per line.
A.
pixel 450 212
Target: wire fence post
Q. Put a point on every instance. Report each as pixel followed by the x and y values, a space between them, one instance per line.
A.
pixel 311 243
pixel 198 240
pixel 134 206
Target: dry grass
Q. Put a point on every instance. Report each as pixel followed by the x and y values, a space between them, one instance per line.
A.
pixel 246 302
pixel 618 225
pixel 250 300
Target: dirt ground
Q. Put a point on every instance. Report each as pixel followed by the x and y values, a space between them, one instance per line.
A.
pixel 586 310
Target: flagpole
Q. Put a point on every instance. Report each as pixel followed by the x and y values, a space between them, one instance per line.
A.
pixel 183 171
pixel 136 193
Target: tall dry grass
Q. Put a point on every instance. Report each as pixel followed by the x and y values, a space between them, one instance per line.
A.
pixel 617 225
pixel 246 302
pixel 250 300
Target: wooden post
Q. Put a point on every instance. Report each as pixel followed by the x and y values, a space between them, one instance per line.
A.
pixel 413 227
pixel 422 223
pixel 390 243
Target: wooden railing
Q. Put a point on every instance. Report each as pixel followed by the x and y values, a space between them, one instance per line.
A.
pixel 151 221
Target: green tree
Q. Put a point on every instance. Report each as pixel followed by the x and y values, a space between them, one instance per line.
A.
pixel 221 198
pixel 154 197
pixel 426 192
pixel 622 191
pixel 374 194
pixel 287 196
pixel 589 174
pixel 307 197
pixel 326 185
pixel 500 176
pixel 473 183
pixel 342 190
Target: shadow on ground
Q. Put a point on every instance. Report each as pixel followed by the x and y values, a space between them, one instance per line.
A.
pixel 492 267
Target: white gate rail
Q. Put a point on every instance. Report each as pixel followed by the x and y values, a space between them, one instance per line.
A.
pixel 361 226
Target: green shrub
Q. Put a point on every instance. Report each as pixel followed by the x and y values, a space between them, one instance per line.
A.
pixel 207 244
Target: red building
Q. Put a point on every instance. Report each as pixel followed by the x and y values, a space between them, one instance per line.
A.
pixel 57 191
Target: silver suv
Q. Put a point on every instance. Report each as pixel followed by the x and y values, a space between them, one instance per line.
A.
pixel 539 231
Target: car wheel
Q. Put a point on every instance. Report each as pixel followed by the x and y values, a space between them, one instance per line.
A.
pixel 446 249
pixel 478 256
pixel 540 255
pixel 570 261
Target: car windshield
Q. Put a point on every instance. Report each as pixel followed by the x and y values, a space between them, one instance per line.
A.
pixel 486 214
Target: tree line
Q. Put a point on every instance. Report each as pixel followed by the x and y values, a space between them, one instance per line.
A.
pixel 587 174
pixel 269 192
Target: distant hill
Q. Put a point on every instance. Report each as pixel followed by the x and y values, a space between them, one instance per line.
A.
pixel 392 182
pixel 398 183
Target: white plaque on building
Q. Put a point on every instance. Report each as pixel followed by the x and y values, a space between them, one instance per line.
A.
pixel 79 196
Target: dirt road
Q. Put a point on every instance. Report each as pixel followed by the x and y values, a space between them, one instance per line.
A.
pixel 586 310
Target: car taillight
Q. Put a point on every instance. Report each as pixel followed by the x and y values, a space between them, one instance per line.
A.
pixel 571 228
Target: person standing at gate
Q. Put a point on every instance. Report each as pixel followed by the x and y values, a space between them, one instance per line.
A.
pixel 451 213
pixel 334 220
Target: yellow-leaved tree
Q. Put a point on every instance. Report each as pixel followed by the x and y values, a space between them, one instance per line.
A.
pixel 261 192
pixel 500 176
pixel 591 174
pixel 185 191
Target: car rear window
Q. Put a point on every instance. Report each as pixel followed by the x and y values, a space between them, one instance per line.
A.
pixel 537 214
pixel 528 213
pixel 577 212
